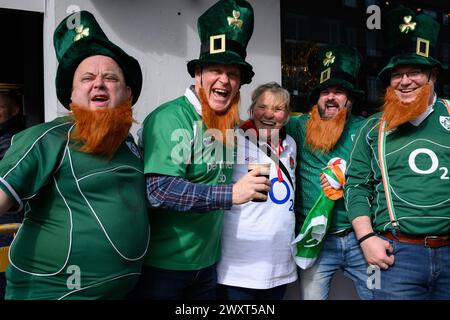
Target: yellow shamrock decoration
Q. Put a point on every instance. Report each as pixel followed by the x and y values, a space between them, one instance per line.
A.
pixel 235 21
pixel 408 25
pixel 329 59
pixel 81 32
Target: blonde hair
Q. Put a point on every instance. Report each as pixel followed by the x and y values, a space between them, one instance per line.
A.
pixel 273 87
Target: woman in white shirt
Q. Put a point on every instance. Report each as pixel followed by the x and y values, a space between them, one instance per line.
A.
pixel 257 261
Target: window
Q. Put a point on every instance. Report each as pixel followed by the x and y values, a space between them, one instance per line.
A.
pixel 445 19
pixel 330 31
pixel 430 12
pixel 373 89
pixel 349 3
pixel 350 34
pixel 312 24
pixel 446 88
pixel 372 47
pixel 371 2
pixel 446 52
pixel 296 27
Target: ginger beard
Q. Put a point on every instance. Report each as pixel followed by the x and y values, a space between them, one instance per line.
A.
pixel 101 131
pixel 323 134
pixel 221 121
pixel 397 112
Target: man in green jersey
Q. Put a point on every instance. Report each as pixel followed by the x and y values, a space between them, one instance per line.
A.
pixel 397 191
pixel 79 178
pixel 188 161
pixel 325 134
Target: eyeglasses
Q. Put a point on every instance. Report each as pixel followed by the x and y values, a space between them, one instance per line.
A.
pixel 412 75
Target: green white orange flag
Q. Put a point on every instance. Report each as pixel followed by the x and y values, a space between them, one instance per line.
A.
pixel 309 242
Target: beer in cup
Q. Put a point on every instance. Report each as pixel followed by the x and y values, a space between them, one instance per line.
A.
pixel 264 171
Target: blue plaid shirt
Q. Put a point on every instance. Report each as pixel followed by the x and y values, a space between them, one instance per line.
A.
pixel 178 194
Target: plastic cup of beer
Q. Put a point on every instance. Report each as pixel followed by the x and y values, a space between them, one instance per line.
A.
pixel 264 171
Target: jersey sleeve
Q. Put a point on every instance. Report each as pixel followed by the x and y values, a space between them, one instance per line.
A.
pixel 167 143
pixel 30 161
pixel 358 190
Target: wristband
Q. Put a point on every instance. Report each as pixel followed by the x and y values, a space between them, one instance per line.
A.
pixel 367 236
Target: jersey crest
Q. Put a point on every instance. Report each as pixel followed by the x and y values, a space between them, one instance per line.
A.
pixel 291 162
pixel 445 122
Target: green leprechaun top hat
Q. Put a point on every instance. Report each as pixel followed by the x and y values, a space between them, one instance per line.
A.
pixel 225 30
pixel 409 38
pixel 79 36
pixel 338 66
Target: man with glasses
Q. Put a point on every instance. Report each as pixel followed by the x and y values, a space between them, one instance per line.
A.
pixel 397 191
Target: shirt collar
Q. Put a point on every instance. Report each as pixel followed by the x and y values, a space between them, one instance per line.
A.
pixel 417 121
pixel 192 98
pixel 286 145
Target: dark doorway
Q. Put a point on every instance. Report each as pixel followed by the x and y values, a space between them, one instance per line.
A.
pixel 21 60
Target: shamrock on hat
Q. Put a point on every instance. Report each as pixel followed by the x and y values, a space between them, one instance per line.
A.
pixel 410 39
pixel 338 66
pixel 225 30
pixel 74 43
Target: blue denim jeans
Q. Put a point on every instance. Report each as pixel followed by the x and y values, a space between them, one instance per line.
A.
pixel 337 253
pixel 161 284
pixel 418 273
pixel 237 293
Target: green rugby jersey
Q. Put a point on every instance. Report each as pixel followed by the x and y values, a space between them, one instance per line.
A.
pixel 311 163
pixel 86 230
pixel 173 136
pixel 418 163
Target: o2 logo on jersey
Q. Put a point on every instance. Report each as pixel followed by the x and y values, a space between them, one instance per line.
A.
pixel 279 187
pixel 434 163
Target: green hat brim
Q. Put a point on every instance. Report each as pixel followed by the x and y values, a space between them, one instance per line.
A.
pixel 313 94
pixel 408 59
pixel 91 47
pixel 228 58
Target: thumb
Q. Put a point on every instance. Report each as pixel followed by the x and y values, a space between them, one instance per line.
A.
pixel 388 247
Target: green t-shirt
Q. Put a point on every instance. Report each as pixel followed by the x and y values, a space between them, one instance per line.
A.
pixel 311 163
pixel 86 230
pixel 173 136
pixel 418 163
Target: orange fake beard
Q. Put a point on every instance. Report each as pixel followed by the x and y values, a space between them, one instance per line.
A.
pixel 220 121
pixel 396 112
pixel 101 131
pixel 323 134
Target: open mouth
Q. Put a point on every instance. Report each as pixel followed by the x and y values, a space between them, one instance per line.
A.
pixel 267 123
pixel 221 92
pixel 405 91
pixel 332 107
pixel 100 99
